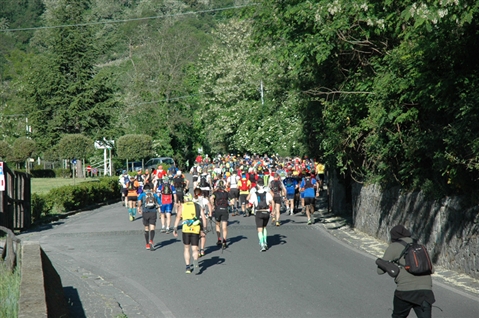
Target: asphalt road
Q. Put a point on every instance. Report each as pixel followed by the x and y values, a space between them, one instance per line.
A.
pixel 106 272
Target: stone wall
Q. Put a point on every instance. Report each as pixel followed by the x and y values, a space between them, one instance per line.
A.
pixel 41 291
pixel 449 227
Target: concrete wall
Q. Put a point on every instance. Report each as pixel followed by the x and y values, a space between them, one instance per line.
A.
pixel 41 290
pixel 449 227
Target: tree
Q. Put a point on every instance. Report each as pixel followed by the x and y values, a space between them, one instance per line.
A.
pixel 75 146
pixel 5 150
pixel 65 94
pixel 22 149
pixel 134 147
pixel 232 111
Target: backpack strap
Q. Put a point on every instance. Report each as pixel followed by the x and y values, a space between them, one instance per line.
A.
pixel 406 247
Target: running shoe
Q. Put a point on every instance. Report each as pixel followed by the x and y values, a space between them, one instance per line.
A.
pixel 309 221
pixel 202 253
pixel 277 223
pixel 163 230
pixel 148 246
pixel 196 268
pixel 218 243
pixel 225 245
pixel 132 217
pixel 188 269
pixel 167 230
pixel 263 248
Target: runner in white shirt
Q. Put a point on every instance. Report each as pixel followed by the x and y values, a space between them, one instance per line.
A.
pixel 208 210
pixel 233 194
pixel 262 201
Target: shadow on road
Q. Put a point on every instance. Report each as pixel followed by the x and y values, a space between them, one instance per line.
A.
pixel 236 239
pixel 165 243
pixel 277 239
pixel 73 299
pixel 208 262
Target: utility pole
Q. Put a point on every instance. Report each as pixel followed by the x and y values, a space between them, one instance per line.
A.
pixel 262 94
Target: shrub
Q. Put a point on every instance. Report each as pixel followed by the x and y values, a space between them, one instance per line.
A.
pixel 74 197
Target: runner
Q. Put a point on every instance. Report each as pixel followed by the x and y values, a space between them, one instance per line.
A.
pixel 219 199
pixel 192 216
pixel 159 175
pixel 308 186
pixel 277 191
pixel 320 177
pixel 168 197
pixel 194 172
pixel 123 180
pixel 233 194
pixel 149 202
pixel 244 188
pixel 132 197
pixel 291 184
pixel 204 183
pixel 208 211
pixel 262 201
pixel 181 186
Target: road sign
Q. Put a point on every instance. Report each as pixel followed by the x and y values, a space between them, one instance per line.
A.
pixel 2 178
pixel 74 161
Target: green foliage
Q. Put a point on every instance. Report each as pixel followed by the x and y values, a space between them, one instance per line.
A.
pixel 22 149
pixel 5 150
pixel 75 146
pixel 69 198
pixel 134 147
pixel 9 291
pixel 64 92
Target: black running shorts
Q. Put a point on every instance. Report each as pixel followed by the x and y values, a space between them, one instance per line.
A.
pixel 308 201
pixel 261 218
pixel 180 197
pixel 149 218
pixel 242 199
pixel 132 198
pixel 277 200
pixel 191 239
pixel 221 215
pixel 233 193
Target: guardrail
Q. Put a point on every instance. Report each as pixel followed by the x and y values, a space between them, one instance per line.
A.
pixel 10 250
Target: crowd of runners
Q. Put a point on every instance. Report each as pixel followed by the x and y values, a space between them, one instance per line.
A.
pixel 222 187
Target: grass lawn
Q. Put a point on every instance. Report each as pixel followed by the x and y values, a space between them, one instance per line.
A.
pixel 9 292
pixel 44 185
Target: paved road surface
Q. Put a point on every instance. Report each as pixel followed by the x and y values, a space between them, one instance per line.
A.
pixel 106 271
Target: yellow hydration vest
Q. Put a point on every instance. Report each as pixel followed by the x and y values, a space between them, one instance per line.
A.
pixel 320 168
pixel 189 213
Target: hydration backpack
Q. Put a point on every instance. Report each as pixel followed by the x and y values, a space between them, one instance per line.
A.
pixel 179 182
pixel 261 197
pixel 221 200
pixel 166 188
pixel 276 187
pixel 203 181
pixel 417 258
pixel 150 201
pixel 244 185
pixel 308 183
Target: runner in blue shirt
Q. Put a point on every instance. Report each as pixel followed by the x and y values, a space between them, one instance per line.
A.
pixel 308 187
pixel 290 184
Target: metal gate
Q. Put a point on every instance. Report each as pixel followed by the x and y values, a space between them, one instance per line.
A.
pixel 15 199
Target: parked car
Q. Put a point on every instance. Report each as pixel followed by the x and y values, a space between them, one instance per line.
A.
pixel 154 162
